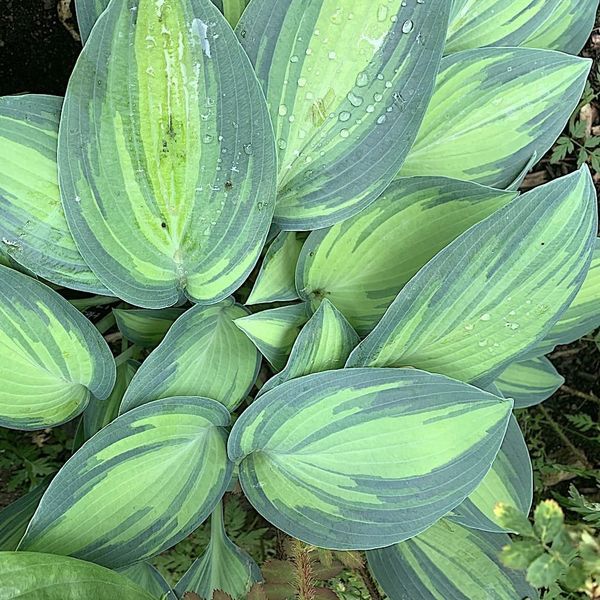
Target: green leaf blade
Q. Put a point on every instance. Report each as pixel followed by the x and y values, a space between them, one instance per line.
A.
pixel 104 504
pixel 331 469
pixel 173 210
pixel 364 76
pixel 493 292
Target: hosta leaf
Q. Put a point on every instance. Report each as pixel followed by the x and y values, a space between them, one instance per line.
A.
pixel 139 486
pixel 88 12
pixel 448 562
pixel 582 316
pixel 33 228
pixel 15 517
pixel 223 567
pixel 324 344
pixel 510 480
pixel 347 84
pixel 203 354
pixel 529 382
pixel 148 577
pixel 275 281
pixel 100 413
pixel 495 290
pixel 179 200
pixel 360 265
pixel 553 24
pixel 52 358
pixel 274 331
pixel 332 469
pixel 492 109
pixel 36 576
pixel 146 328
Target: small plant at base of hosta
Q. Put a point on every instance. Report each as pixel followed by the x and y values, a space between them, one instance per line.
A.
pixel 327 293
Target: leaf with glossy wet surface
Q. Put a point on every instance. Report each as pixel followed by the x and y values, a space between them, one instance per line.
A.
pixel 529 382
pixel 347 83
pixel 37 576
pixel 331 469
pixel 493 292
pixel 510 481
pixel 138 487
pixel 324 344
pixel 203 354
pixel 552 24
pixel 448 562
pixel 275 281
pixel 274 331
pixel 492 109
pixel 166 198
pixel 52 358
pixel 360 265
pixel 33 228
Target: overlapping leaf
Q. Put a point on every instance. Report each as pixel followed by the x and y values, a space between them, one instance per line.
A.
pixel 49 577
pixel 203 354
pixel 275 281
pixel 164 197
pixel 529 382
pixel 100 413
pixel 15 517
pixel 139 486
pixel 33 228
pixel 324 344
pixel 495 290
pixel 52 359
pixel 331 468
pixel 223 567
pixel 360 265
pixel 510 481
pixel 146 328
pixel 553 24
pixel 148 578
pixel 347 83
pixel 492 109
pixel 274 331
pixel 448 562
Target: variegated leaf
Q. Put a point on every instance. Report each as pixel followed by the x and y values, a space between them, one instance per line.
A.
pixel 146 328
pixel 529 382
pixel 347 83
pixel 203 354
pixel 492 109
pixel 140 485
pixel 38 576
pixel 15 517
pixel 275 281
pixel 582 316
pixel 510 481
pixel 274 331
pixel 52 359
pixel 324 344
pixel 361 264
pixel 449 562
pixel 553 24
pixel 164 197
pixel 149 578
pixel 100 413
pixel 331 469
pixel 493 292
pixel 33 228
pixel 223 567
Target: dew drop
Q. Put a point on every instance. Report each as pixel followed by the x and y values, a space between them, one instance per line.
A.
pixel 344 133
pixel 345 116
pixel 362 80
pixel 282 110
pixel 486 317
pixel 408 26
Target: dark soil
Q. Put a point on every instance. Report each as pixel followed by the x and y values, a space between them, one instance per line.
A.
pixel 37 53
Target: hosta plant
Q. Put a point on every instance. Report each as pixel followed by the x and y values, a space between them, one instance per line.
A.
pixel 328 291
